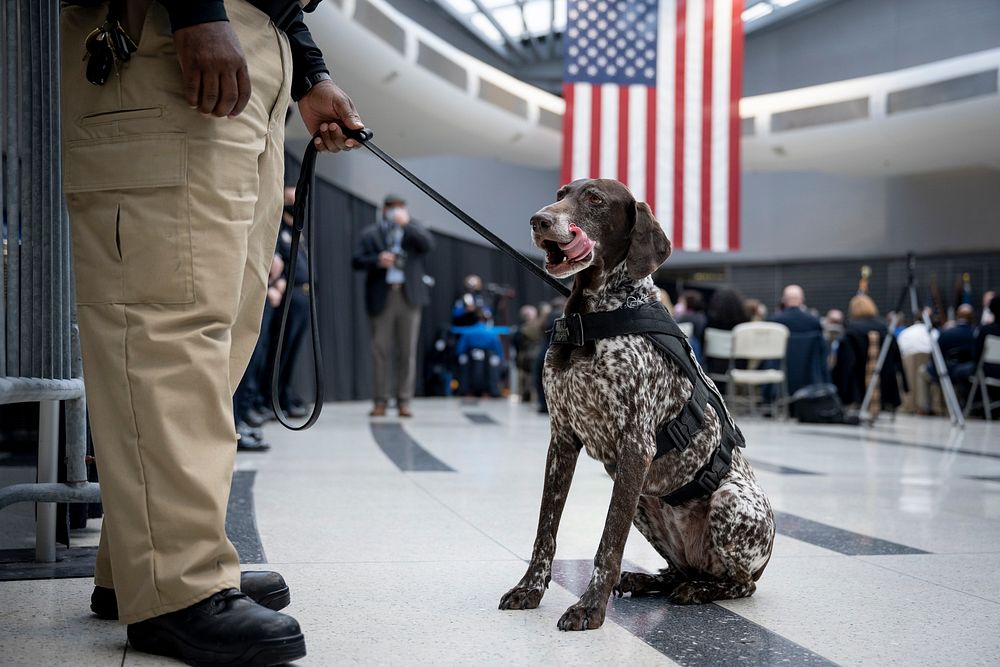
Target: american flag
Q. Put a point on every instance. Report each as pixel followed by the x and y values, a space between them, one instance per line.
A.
pixel 652 94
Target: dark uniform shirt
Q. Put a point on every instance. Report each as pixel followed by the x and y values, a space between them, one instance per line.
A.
pixel 307 59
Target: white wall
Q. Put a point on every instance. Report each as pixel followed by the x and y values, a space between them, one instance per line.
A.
pixel 793 216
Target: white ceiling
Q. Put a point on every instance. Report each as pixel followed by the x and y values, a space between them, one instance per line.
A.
pixel 416 113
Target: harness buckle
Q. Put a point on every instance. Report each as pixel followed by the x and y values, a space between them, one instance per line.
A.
pixel 710 479
pixel 679 435
pixel 568 330
pixel 682 429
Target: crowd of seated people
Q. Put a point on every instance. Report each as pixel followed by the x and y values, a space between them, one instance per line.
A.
pixel 909 378
pixel 838 348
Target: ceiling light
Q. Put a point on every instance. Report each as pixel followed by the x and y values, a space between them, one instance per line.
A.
pixel 757 11
pixel 462 6
pixel 488 30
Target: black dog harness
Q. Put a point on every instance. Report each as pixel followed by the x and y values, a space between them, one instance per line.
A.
pixel 655 323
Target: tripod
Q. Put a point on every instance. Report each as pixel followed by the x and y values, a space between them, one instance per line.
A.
pixel 950 399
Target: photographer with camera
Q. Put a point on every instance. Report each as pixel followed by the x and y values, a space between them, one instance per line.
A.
pixel 391 252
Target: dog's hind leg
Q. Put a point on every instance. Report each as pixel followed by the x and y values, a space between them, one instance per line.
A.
pixel 737 545
pixel 564 449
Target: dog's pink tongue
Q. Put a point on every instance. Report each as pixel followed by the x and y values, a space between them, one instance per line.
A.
pixel 579 247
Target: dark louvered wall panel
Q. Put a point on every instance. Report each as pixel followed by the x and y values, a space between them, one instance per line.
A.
pixel 831 284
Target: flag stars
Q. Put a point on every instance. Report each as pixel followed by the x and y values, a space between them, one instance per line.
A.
pixel 612 41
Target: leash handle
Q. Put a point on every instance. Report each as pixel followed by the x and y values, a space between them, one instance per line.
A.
pixel 364 137
pixel 360 136
pixel 301 214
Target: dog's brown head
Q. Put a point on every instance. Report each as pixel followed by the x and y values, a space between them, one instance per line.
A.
pixel 599 223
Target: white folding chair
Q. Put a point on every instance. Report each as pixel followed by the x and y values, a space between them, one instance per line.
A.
pixel 687 328
pixel 757 342
pixel 991 355
pixel 718 345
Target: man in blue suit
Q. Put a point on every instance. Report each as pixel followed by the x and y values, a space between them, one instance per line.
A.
pixel 793 313
pixel 958 345
pixel 805 356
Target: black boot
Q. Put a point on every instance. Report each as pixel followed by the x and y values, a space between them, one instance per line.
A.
pixel 227 628
pixel 266 588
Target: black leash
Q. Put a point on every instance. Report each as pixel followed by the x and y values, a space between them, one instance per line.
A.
pixel 302 212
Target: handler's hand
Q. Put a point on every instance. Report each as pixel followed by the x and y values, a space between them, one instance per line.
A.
pixel 214 68
pixel 386 259
pixel 324 104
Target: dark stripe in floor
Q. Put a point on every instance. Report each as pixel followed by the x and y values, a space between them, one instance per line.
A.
pixel 986 478
pixel 480 418
pixel 241 518
pixel 72 563
pixel 692 635
pixel 404 451
pixel 781 470
pixel 837 539
pixel 842 436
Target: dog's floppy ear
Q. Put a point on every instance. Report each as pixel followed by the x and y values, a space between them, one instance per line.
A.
pixel 649 246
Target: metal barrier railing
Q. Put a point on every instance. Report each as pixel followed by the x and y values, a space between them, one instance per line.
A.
pixel 39 348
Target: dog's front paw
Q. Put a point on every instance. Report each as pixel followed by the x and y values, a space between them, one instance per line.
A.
pixel 521 597
pixel 582 617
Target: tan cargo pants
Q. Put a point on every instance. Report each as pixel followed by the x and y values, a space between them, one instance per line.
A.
pixel 174 219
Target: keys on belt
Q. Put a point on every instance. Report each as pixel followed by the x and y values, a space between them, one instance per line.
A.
pixel 107 47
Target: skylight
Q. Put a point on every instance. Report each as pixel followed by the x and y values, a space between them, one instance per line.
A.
pixel 515 29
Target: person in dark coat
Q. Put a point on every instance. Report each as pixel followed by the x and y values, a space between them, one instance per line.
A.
pixel 725 311
pixel 805 356
pixel 854 354
pixel 691 308
pixel 391 252
pixel 958 343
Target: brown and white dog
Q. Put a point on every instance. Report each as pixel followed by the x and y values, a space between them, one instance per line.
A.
pixel 608 397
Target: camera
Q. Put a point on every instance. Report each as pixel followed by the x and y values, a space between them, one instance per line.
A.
pixel 400 262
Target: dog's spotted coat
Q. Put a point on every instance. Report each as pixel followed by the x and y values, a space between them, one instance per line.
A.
pixel 608 397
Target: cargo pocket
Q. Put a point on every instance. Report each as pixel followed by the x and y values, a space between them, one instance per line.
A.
pixel 128 203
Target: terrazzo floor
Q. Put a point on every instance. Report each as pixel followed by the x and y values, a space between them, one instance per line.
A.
pixel 399 539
